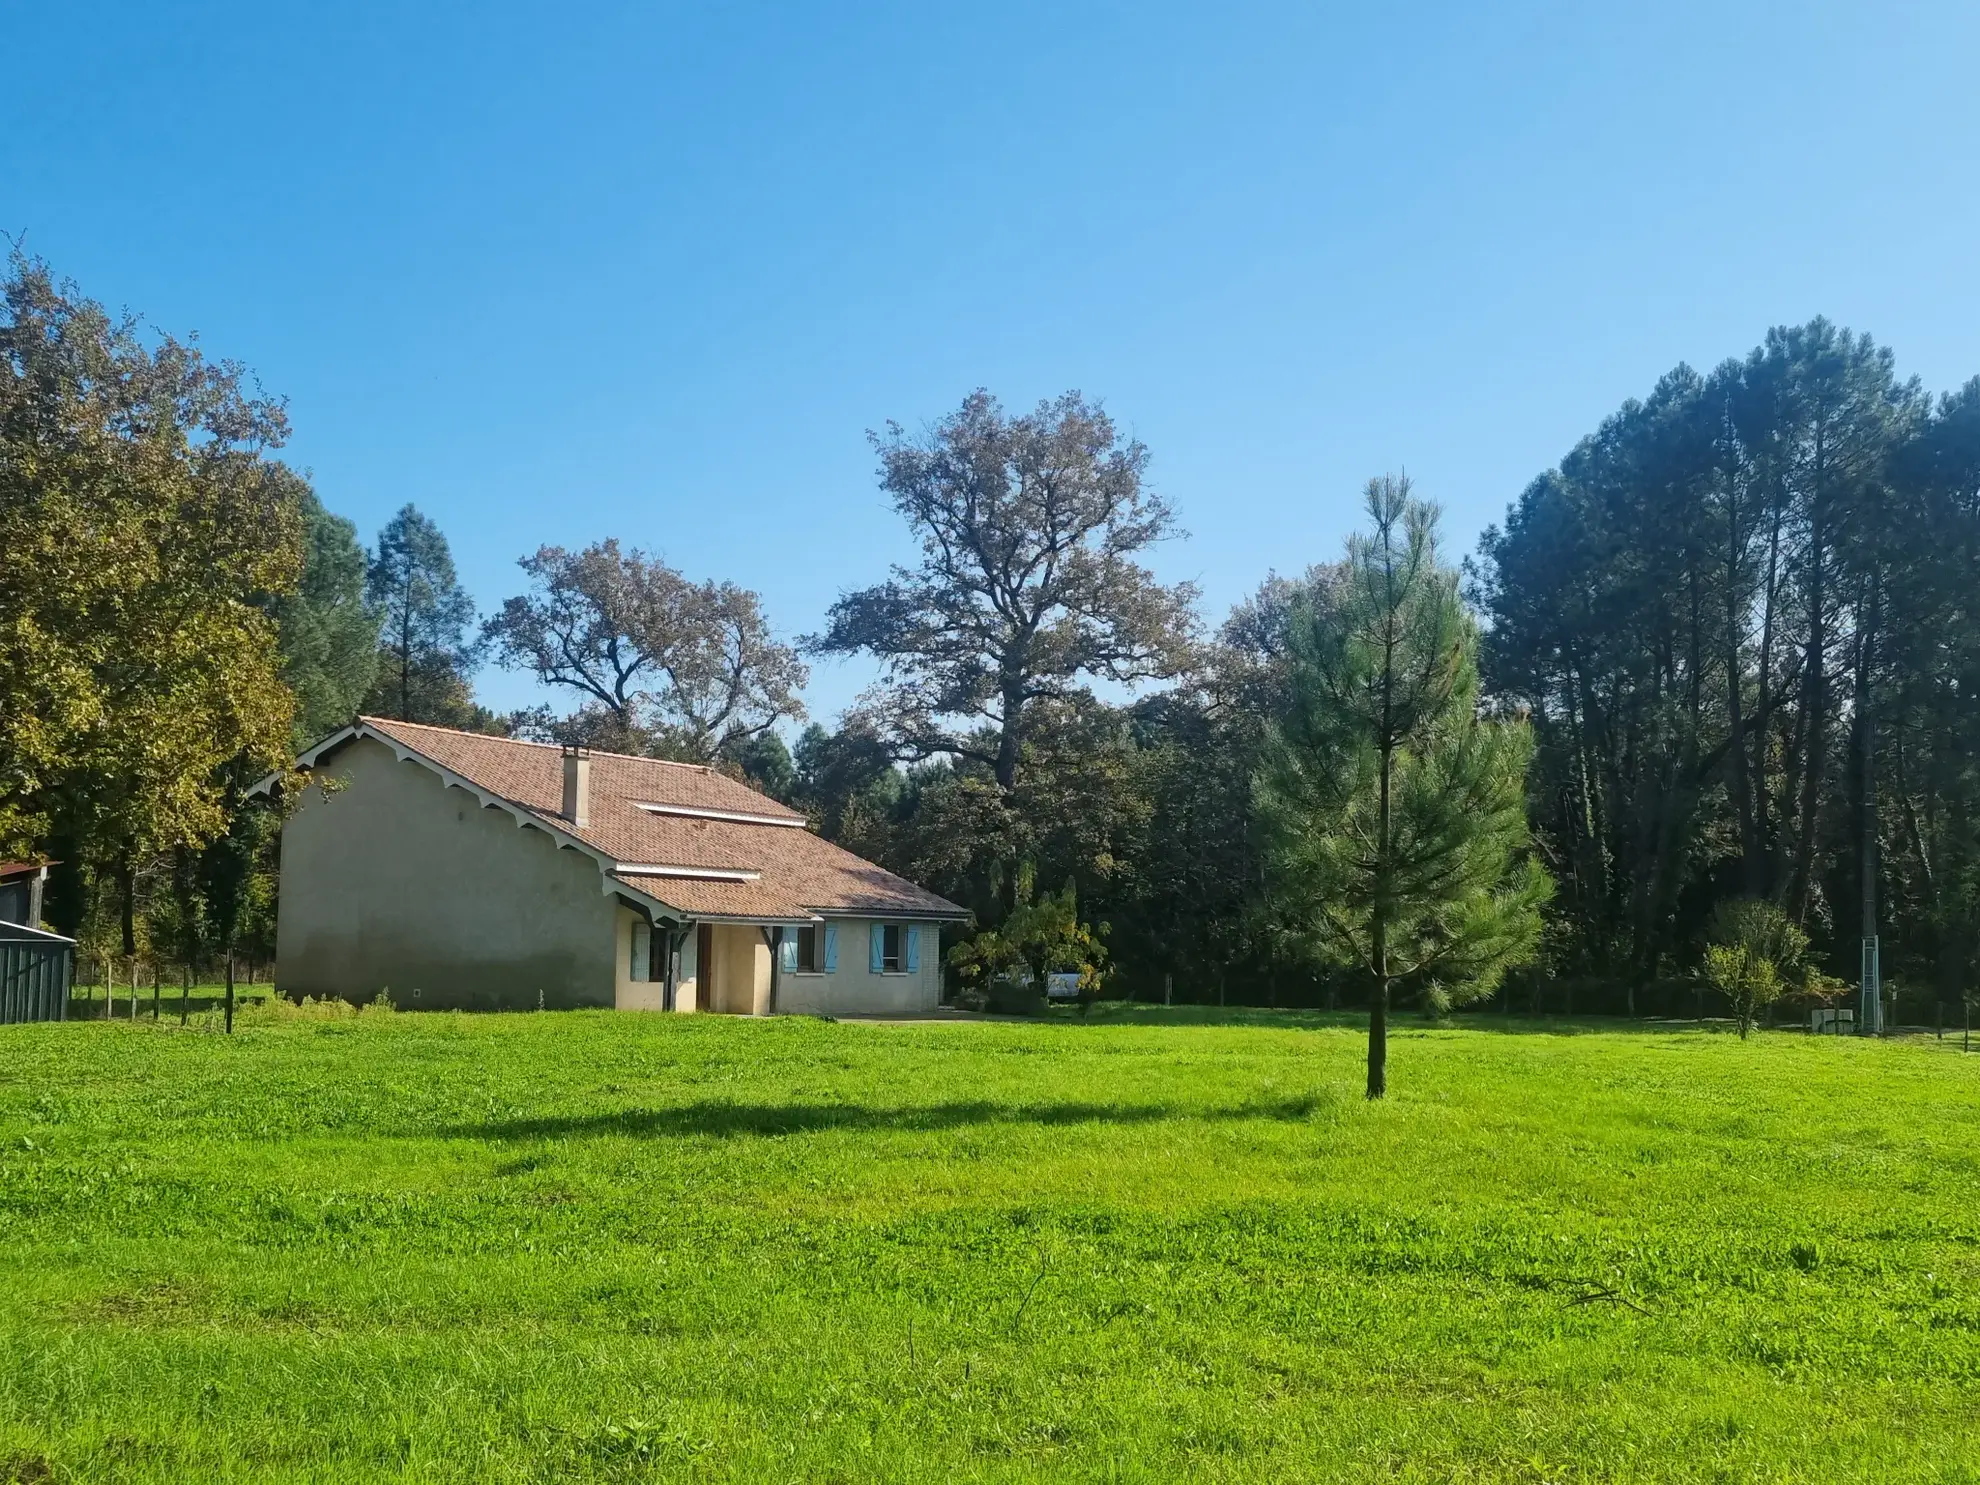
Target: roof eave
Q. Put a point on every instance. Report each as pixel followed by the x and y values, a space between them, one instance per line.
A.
pixel 950 914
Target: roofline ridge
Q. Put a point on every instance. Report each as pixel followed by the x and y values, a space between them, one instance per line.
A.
pixel 525 742
pixel 530 742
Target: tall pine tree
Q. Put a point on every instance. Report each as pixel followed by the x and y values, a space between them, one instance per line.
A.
pixel 426 646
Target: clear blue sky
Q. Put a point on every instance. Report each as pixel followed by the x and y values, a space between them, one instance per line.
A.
pixel 557 272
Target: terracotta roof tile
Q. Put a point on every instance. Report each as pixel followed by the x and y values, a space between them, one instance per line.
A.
pixel 797 872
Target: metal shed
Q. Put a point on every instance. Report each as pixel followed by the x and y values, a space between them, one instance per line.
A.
pixel 35 971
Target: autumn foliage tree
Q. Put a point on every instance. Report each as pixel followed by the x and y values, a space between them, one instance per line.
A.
pixel 143 532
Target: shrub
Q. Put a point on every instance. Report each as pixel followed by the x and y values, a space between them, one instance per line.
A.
pixel 1754 954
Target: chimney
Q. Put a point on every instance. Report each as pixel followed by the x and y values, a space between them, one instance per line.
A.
pixel 577 785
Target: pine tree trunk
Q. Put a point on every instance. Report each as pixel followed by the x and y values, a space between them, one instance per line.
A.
pixel 1378 1042
pixel 1378 1013
pixel 1867 737
pixel 1815 708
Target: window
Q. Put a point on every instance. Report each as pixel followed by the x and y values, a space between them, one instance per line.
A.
pixel 890 950
pixel 810 951
pixel 641 968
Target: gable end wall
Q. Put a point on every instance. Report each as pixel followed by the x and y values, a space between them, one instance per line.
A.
pixel 399 883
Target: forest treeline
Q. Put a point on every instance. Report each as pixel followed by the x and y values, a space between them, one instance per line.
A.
pixel 1738 622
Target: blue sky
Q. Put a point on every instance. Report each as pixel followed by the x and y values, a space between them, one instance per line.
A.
pixel 566 271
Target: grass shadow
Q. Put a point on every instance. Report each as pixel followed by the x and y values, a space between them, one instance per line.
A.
pixel 728 1120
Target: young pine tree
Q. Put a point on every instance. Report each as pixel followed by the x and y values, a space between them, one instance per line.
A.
pixel 1394 816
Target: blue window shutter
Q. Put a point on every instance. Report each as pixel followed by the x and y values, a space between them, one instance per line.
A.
pixel 831 947
pixel 911 954
pixel 787 951
pixel 876 959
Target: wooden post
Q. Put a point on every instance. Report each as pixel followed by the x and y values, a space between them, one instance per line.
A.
pixel 134 974
pixel 157 973
pixel 1939 1018
pixel 230 992
pixel 1168 989
pixel 185 992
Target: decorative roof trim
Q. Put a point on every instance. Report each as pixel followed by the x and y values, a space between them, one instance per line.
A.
pixel 733 817
pixel 693 873
pixel 525 817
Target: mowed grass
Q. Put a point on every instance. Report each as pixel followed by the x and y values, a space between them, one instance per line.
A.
pixel 598 1247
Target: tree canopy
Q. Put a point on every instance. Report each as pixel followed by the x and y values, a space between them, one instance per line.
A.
pixel 427 645
pixel 144 533
pixel 328 633
pixel 1029 586
pixel 660 664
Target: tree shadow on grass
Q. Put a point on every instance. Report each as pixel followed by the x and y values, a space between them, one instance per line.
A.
pixel 725 1120
pixel 1402 1021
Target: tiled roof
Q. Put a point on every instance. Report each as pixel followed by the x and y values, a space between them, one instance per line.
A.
pixel 796 872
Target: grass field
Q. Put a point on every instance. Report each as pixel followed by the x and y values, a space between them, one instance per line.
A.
pixel 596 1247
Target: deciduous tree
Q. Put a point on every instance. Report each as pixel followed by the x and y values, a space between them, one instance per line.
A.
pixel 1030 584
pixel 144 532
pixel 663 664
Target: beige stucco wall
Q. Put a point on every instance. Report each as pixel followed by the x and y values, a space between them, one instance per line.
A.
pixel 398 883
pixel 854 990
pixel 687 988
pixel 629 994
pixel 740 982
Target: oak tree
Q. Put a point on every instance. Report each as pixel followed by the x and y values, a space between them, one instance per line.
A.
pixel 662 663
pixel 1030 585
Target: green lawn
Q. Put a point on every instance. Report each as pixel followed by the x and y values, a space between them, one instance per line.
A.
pixel 1153 1247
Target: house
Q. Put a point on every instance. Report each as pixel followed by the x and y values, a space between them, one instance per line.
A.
pixel 21 884
pixel 455 869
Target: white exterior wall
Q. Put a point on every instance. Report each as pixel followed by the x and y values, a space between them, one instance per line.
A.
pixel 854 990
